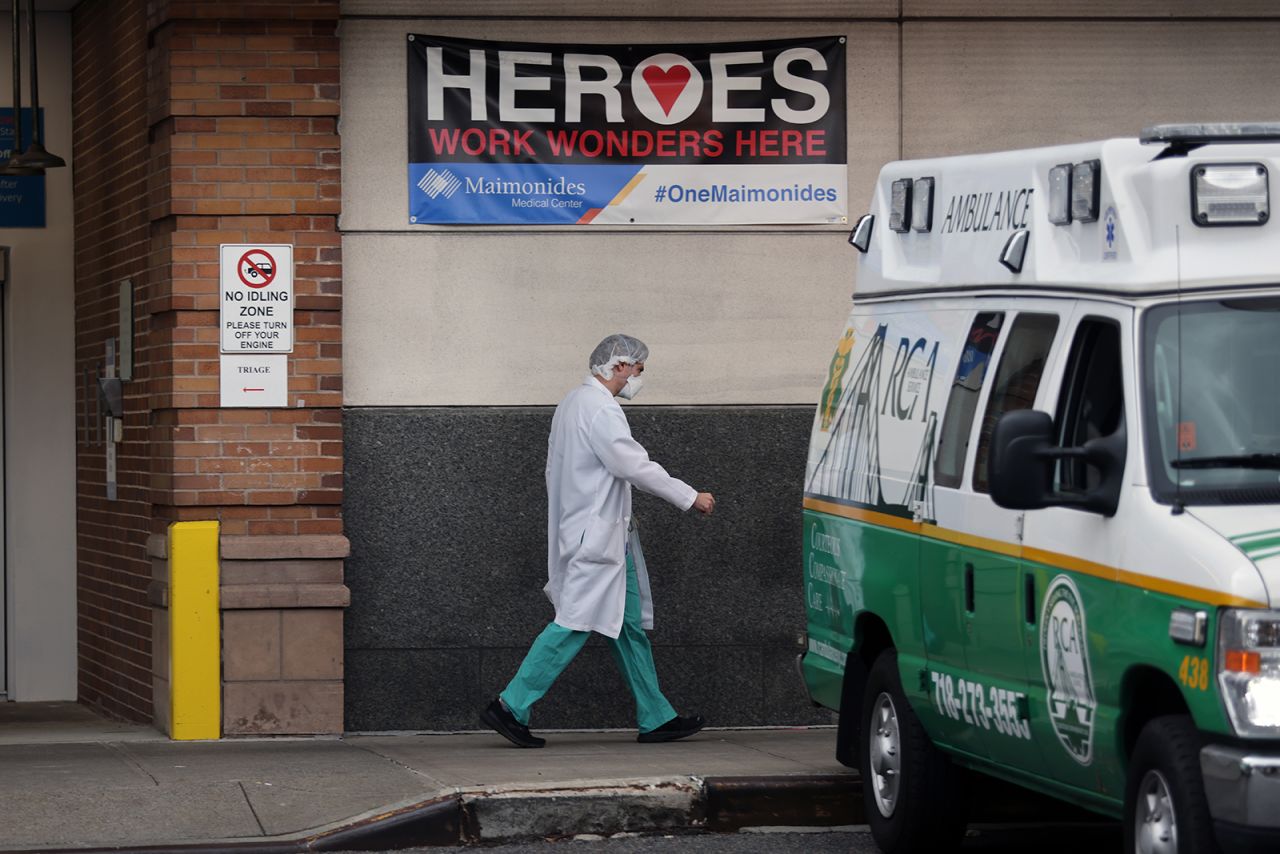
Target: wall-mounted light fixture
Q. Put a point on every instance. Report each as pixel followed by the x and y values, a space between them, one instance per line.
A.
pixel 36 155
pixel 34 159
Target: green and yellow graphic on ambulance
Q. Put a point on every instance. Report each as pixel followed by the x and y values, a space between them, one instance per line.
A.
pixel 1260 544
pixel 1064 661
pixel 1041 511
pixel 835 375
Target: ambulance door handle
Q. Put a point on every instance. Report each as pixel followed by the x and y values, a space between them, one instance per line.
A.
pixel 968 587
pixel 1029 598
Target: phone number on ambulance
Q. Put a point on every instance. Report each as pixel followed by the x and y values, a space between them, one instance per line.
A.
pixel 980 706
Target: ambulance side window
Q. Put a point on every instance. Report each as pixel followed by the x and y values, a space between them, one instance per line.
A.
pixel 962 402
pixel 1017 380
pixel 1092 400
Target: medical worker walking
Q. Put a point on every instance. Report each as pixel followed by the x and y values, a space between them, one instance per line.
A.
pixel 597 579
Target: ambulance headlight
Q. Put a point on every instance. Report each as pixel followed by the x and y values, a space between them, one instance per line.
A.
pixel 1060 194
pixel 900 206
pixel 1086 185
pixel 1249 671
pixel 922 204
pixel 1230 194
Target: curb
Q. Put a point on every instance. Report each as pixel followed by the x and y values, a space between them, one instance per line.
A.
pixel 733 803
pixel 601 807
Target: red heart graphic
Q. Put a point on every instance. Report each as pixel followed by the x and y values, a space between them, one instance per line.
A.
pixel 666 85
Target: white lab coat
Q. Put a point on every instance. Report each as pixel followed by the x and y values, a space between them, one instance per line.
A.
pixel 592 461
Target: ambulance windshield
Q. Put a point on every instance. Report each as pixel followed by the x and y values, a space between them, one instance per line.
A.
pixel 1211 393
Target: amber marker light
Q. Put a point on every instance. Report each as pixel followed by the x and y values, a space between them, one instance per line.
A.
pixel 1240 661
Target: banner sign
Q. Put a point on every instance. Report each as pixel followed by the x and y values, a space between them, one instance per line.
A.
pixel 654 134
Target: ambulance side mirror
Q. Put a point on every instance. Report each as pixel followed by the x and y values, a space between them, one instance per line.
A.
pixel 1020 466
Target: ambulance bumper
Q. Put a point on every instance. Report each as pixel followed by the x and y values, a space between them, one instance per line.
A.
pixel 1243 790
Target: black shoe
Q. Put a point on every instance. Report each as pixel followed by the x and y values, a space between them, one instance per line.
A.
pixel 673 729
pixel 497 718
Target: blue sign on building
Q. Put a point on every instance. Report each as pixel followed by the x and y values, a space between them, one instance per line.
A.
pixel 21 196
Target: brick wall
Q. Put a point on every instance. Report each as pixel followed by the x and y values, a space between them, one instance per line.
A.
pixel 112 237
pixel 200 123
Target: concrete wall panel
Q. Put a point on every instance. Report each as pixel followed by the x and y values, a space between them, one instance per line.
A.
pixel 987 86
pixel 812 9
pixel 467 320
pixel 719 9
pixel 375 188
pixel 1091 9
pixel 430 311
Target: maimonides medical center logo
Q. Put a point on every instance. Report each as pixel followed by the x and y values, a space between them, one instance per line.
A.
pixel 1064 660
pixel 439 183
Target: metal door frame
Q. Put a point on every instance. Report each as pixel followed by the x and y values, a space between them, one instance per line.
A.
pixel 6 599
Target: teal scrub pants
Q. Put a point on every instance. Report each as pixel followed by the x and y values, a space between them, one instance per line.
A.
pixel 557 646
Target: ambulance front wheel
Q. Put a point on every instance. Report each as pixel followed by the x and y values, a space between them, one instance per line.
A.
pixel 1165 807
pixel 913 795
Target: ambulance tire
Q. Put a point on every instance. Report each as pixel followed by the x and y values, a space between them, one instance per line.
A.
pixel 926 812
pixel 1165 766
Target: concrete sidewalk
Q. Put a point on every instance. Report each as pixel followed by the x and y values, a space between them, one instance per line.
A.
pixel 372 791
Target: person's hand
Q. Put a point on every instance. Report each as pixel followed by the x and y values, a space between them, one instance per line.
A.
pixel 704 503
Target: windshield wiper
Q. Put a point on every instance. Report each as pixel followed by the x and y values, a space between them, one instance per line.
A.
pixel 1234 461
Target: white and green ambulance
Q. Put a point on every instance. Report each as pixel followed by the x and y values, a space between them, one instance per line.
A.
pixel 1042 500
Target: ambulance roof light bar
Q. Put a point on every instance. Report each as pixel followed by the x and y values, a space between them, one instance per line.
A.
pixel 1074 191
pixel 922 205
pixel 1060 194
pixel 1086 187
pixel 911 205
pixel 900 206
pixel 1181 138
pixel 1230 194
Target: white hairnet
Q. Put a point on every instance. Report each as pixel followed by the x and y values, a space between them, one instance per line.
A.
pixel 614 349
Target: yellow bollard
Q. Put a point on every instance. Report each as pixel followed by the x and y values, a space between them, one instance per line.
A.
pixel 195 641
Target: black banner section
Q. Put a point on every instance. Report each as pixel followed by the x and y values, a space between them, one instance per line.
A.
pixel 765 102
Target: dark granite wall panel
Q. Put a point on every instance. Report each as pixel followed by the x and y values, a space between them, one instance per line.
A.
pixel 446 512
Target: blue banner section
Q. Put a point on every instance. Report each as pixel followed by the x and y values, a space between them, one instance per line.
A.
pixel 528 193
pixel 21 196
pixel 22 201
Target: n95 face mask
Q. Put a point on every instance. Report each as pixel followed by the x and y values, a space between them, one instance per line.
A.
pixel 631 389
